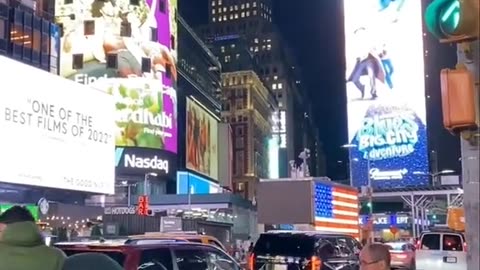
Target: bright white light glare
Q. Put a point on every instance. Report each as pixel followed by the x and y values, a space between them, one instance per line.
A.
pixel 273 163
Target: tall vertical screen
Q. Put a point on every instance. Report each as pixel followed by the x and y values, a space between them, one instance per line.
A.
pixel 386 92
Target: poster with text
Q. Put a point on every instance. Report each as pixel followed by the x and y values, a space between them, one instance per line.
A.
pixel 58 134
pixel 202 148
pixel 386 93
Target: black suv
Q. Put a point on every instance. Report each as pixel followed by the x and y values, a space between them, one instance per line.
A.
pixel 154 254
pixel 305 250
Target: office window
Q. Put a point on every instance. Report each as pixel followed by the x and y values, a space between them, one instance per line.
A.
pixel 146 64
pixel 77 61
pixel 153 34
pixel 236 15
pixel 224 17
pixel 213 3
pixel 231 16
pixel 236 7
pixel 213 11
pixel 220 18
pixel 3 25
pixel 274 86
pixel 243 6
pixel 247 13
pixel 280 85
pixel 45 47
pixel 254 12
pixel 254 4
pixel 112 60
pixel 36 39
pixel 125 29
pixel 213 19
pixel 219 10
pixel 248 5
pixel 219 2
pixel 231 8
pixel 162 6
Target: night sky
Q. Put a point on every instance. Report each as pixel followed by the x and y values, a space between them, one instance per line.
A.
pixel 314 31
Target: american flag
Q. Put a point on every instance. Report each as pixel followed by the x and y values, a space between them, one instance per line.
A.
pixel 336 209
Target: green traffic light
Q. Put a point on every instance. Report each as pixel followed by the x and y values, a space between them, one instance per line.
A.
pixel 442 17
pixel 450 17
pixel 369 205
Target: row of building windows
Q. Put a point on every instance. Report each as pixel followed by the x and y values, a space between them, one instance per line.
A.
pixel 234 7
pixel 233 16
pixel 28 38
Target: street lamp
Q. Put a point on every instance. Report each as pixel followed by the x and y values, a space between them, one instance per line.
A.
pixel 349 147
pixel 145 182
pixel 435 175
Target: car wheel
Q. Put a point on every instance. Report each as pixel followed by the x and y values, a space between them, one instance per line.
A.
pixel 413 266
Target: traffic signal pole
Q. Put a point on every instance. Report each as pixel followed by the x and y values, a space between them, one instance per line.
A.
pixel 468 55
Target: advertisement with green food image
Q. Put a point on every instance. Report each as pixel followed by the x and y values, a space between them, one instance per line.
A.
pixel 145 113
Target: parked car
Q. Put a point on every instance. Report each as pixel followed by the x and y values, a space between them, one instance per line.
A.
pixel 402 255
pixel 302 250
pixel 156 254
pixel 441 250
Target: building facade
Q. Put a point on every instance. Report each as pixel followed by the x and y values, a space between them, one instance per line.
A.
pixel 248 106
pixel 252 22
pixel 28 34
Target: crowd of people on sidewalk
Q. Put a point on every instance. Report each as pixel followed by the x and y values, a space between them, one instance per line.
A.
pixel 22 247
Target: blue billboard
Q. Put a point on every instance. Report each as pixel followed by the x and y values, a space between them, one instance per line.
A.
pixel 385 83
pixel 197 184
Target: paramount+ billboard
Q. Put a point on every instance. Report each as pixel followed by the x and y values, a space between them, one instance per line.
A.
pixel 386 93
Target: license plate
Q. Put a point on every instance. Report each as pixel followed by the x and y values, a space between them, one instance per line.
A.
pixel 451 260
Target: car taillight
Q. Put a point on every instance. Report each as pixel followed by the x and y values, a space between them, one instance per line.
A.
pixel 418 244
pixel 401 256
pixel 251 262
pixel 316 263
pixel 464 246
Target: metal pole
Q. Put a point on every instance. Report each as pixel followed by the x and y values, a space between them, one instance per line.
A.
pixel 145 184
pixel 129 195
pixel 414 232
pixel 370 199
pixel 469 55
pixel 350 166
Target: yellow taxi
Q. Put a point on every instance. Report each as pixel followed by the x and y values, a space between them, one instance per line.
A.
pixel 187 236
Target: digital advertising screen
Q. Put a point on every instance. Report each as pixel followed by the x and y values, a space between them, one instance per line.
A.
pixel 386 93
pixel 202 143
pixel 145 113
pixel 129 49
pixel 59 136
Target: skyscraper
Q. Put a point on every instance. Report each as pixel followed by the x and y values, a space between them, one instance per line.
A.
pixel 251 22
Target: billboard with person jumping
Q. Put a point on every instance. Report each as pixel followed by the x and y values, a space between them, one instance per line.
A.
pixel 386 93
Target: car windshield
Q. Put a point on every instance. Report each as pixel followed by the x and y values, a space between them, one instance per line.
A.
pixel 116 256
pixel 285 245
pixel 395 245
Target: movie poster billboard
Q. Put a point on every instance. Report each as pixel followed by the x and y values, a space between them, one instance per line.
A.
pixel 127 48
pixel 386 93
pixel 202 143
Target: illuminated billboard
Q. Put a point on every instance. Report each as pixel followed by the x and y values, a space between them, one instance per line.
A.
pixel 202 143
pixel 386 93
pixel 127 48
pixel 279 127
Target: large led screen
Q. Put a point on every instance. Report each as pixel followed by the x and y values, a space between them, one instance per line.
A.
pixel 59 135
pixel 202 143
pixel 386 93
pixel 127 48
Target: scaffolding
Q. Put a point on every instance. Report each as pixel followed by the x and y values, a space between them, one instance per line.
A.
pixel 421 199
